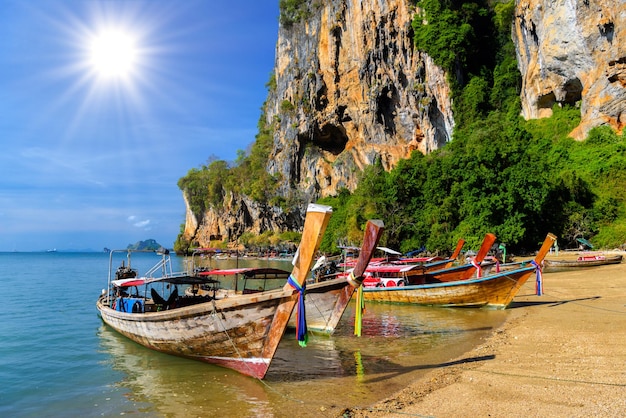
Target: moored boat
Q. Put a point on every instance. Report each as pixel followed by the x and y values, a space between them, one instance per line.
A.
pixel 588 260
pixel 327 300
pixel 392 275
pixel 495 290
pixel 238 332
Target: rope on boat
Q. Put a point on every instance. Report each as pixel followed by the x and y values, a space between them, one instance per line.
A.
pixel 575 302
pixel 301 329
pixel 539 278
pixel 479 269
pixel 358 315
pixel 214 313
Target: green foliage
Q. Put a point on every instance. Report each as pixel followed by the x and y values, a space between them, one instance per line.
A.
pixel 271 84
pixel 518 179
pixel 496 176
pixel 287 106
pixel 500 174
pixel 181 245
pixel 293 11
pixel 456 34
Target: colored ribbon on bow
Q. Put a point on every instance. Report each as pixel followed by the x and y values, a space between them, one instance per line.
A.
pixel 478 268
pixel 360 307
pixel 301 329
pixel 539 279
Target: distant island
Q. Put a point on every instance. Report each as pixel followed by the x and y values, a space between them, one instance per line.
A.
pixel 149 244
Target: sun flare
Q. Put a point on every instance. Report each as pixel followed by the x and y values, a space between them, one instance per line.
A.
pixel 113 54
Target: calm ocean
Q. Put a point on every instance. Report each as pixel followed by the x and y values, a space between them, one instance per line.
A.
pixel 57 359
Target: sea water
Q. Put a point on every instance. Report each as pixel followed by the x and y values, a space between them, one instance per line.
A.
pixel 58 359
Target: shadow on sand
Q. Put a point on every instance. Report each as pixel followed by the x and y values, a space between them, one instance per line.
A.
pixel 394 369
pixel 549 303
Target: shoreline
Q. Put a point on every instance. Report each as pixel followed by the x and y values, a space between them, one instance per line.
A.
pixel 560 354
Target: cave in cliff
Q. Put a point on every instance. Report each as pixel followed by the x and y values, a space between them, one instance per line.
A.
pixel 330 138
pixel 570 94
pixel 386 108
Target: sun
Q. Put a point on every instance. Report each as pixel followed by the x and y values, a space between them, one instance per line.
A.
pixel 113 54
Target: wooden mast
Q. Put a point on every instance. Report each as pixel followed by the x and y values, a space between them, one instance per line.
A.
pixel 314 227
pixel 482 252
pixel 371 236
pixel 455 254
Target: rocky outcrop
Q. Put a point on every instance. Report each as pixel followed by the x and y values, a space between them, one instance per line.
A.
pixel 350 88
pixel 573 52
pixel 239 214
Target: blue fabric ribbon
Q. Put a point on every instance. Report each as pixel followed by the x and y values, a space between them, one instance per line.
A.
pixel 301 329
pixel 539 279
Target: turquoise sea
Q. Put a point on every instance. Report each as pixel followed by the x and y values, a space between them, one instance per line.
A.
pixel 57 358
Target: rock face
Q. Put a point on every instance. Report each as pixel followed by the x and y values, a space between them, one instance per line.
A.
pixel 573 52
pixel 351 88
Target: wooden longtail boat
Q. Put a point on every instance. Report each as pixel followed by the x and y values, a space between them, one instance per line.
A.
pixel 495 290
pixel 583 261
pixel 399 275
pixel 327 300
pixel 239 332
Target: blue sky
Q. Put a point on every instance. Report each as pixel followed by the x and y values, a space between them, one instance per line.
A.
pixel 90 161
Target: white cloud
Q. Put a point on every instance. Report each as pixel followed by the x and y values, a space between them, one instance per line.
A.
pixel 136 222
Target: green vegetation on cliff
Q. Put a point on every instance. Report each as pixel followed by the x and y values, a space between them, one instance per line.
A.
pixel 209 186
pixel 518 179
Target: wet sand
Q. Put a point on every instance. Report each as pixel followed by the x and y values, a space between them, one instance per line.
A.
pixel 562 354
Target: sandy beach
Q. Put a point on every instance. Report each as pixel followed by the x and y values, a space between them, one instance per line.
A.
pixel 562 354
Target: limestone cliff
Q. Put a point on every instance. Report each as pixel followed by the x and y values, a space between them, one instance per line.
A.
pixel 573 52
pixel 350 88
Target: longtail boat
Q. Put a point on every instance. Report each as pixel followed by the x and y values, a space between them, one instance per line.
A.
pixel 238 332
pixel 327 300
pixel 495 290
pixel 440 271
pixel 588 260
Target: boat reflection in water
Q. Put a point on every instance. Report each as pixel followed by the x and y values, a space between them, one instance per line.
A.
pixel 399 343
